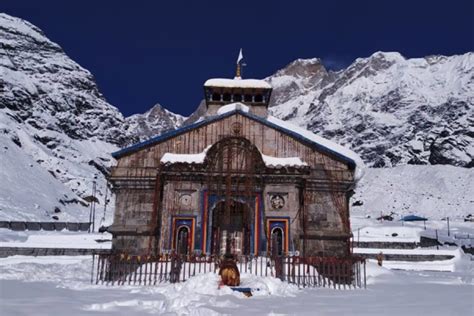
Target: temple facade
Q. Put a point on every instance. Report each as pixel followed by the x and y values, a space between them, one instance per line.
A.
pixel 237 181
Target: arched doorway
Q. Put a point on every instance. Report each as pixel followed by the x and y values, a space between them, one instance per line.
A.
pixel 231 227
pixel 233 167
pixel 277 246
pixel 182 240
pixel 278 234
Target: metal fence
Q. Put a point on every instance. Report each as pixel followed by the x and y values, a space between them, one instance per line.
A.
pixel 123 269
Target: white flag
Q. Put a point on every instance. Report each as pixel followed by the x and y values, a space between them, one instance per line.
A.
pixel 241 56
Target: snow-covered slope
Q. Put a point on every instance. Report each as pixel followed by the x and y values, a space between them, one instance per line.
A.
pixel 431 191
pixel 53 116
pixel 29 192
pixel 389 109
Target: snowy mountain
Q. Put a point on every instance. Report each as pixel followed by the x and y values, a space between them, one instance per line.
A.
pixel 57 129
pixel 153 122
pixel 390 110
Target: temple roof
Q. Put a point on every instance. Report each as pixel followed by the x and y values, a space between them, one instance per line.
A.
pixel 324 145
pixel 237 83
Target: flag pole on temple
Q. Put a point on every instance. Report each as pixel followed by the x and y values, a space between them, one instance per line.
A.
pixel 238 73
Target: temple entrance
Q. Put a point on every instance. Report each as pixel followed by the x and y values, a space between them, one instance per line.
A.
pixel 231 228
pixel 278 235
pixel 234 166
pixel 277 241
pixel 182 240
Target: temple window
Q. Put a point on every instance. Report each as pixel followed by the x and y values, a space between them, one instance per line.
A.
pixel 237 97
pixel 227 97
pixel 216 97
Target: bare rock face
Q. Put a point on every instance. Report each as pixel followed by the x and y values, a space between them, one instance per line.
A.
pixel 390 110
pixel 197 114
pixel 296 79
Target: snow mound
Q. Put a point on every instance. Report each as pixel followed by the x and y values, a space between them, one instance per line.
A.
pixel 374 272
pixel 201 295
pixel 208 284
pixel 265 286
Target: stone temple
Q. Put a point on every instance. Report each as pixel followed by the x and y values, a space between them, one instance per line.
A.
pixel 236 181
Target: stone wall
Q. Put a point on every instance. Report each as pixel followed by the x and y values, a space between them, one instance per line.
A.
pixel 48 226
pixel 24 251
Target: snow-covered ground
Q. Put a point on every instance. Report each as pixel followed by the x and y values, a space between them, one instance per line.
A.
pixel 61 285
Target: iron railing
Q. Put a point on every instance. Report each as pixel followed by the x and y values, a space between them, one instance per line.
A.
pixel 333 272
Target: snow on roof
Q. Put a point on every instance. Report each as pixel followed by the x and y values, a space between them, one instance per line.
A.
pixel 170 158
pixel 283 161
pixel 237 83
pixel 232 107
pixel 346 152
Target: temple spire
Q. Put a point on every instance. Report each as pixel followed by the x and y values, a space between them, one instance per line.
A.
pixel 238 73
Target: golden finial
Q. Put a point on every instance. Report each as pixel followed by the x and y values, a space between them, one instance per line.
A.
pixel 237 72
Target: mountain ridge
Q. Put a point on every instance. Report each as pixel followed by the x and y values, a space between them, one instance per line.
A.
pixel 429 100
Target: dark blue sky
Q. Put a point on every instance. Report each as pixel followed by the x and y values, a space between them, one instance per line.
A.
pixel 144 52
